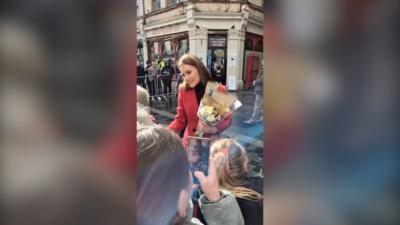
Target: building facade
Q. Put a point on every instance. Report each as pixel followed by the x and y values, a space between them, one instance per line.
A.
pixel 226 35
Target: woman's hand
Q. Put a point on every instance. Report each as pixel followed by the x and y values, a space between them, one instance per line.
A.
pixel 209 185
pixel 206 129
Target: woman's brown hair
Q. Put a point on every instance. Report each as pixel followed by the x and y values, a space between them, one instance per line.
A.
pixel 192 60
pixel 231 163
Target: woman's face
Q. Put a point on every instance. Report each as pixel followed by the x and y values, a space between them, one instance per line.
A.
pixel 190 75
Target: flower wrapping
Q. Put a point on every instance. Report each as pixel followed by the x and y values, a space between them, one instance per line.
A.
pixel 216 105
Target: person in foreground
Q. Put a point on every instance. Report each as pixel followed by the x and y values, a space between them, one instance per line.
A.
pixel 232 170
pixel 195 77
pixel 164 184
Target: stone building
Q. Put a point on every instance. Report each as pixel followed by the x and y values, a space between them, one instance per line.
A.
pixel 226 35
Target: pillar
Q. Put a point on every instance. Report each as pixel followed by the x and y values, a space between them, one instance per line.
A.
pixel 198 36
pixel 147 6
pixel 234 59
pixel 235 52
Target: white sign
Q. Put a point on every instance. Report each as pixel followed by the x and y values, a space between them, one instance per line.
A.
pixel 232 82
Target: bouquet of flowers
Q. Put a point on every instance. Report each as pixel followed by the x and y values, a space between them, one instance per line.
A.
pixel 216 105
pixel 209 115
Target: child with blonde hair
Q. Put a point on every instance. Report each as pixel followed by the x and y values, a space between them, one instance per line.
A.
pixel 231 162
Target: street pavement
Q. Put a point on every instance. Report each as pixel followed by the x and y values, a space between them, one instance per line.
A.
pixel 250 136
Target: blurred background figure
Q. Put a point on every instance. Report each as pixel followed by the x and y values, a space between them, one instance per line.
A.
pixel 140 73
pixel 66 97
pixel 151 77
pixel 258 108
pixel 167 79
pixel 331 106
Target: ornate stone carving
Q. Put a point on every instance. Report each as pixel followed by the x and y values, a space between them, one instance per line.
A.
pixel 189 15
pixel 245 17
pixel 198 33
pixel 256 2
pixel 173 13
pixel 175 28
pixel 237 34
pixel 217 7
pixel 256 15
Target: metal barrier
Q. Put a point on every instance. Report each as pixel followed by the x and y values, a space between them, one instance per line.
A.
pixel 160 87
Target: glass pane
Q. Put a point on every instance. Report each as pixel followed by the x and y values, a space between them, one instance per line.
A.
pixel 168 49
pixel 259 46
pixel 183 47
pixel 248 45
pixel 156 4
pixel 156 48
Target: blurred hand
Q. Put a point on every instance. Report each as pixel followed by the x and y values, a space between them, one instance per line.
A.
pixel 206 129
pixel 209 185
pixel 222 88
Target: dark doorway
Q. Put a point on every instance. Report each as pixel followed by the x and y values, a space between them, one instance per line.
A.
pixel 216 57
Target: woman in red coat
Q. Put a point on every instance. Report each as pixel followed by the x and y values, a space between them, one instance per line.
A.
pixel 195 77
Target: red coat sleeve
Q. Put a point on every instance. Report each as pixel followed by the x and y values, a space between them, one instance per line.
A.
pixel 224 124
pixel 179 122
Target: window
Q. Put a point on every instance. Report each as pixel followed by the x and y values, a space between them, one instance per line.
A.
pixel 172 2
pixel 168 51
pixel 183 47
pixel 154 50
pixel 253 42
pixel 156 4
pixel 248 44
pixel 259 45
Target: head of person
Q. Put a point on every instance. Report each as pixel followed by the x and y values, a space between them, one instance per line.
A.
pixel 69 191
pixel 163 177
pixel 193 71
pixel 143 116
pixel 231 162
pixel 142 96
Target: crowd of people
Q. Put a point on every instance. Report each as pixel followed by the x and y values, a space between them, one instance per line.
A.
pixel 227 194
pixel 156 76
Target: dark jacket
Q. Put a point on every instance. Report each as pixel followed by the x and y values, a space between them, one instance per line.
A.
pixel 252 211
pixel 140 71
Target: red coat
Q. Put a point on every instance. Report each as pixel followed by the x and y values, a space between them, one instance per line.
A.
pixel 186 115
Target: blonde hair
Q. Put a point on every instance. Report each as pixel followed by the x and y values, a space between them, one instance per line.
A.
pixel 142 96
pixel 192 60
pixel 231 161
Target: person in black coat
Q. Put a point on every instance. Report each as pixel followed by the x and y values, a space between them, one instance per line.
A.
pixel 167 78
pixel 140 74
